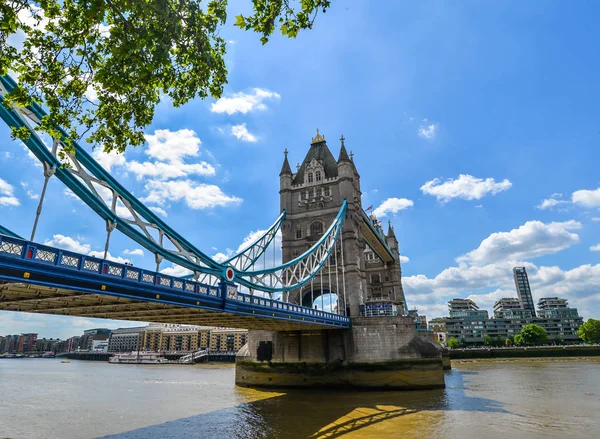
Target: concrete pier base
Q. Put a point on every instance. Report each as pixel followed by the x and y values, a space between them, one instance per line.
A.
pixel 376 353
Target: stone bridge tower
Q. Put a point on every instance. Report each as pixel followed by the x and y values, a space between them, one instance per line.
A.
pixel 312 197
pixel 378 351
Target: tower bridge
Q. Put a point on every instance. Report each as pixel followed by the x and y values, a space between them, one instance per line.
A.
pixel 330 247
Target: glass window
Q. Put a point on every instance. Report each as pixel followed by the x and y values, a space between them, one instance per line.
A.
pixel 298 233
pixel 318 175
pixel 316 228
pixel 310 177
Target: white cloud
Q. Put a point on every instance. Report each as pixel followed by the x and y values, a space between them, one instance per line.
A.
pixel 465 186
pixel 73 245
pixel 404 259
pixel 595 248
pixel 222 257
pixel 241 132
pixel 91 93
pixel 393 205
pixel 134 252
pixel 269 261
pixel 32 195
pixel 109 257
pixel 176 271
pixel 587 198
pixel 159 210
pixel 428 131
pixel 7 154
pixel 172 146
pixel 531 240
pixel 33 16
pixel 7 197
pixel 108 160
pixel 164 171
pixel 68 243
pixel 31 155
pixel 553 201
pixel 196 195
pixel 244 102
pixel 596 219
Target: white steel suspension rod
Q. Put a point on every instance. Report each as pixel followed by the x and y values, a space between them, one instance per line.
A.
pixel 322 298
pixel 48 172
pixel 343 273
pixel 329 272
pixel 337 284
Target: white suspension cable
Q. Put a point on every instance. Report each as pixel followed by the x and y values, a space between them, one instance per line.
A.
pixel 343 272
pixel 329 270
pixel 337 284
pixel 322 298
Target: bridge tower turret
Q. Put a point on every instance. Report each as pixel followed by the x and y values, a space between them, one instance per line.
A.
pixel 285 183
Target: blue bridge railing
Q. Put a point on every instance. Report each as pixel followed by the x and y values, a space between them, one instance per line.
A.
pixel 227 295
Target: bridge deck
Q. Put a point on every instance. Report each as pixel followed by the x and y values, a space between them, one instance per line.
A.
pixel 373 237
pixel 41 279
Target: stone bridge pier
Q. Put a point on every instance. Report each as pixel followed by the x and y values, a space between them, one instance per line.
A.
pixel 376 353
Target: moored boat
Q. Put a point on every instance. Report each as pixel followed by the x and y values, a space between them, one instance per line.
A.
pixel 138 358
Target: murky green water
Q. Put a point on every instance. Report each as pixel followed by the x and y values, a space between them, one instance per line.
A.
pixel 46 399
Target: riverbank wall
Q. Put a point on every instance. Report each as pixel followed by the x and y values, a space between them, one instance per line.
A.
pixel 525 352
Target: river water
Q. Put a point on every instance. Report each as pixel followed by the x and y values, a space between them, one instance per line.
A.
pixel 44 398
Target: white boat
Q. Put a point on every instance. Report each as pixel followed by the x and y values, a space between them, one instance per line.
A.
pixel 138 358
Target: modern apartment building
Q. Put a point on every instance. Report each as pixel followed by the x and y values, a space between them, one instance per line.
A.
pixel 470 328
pixel 523 289
pixel 465 308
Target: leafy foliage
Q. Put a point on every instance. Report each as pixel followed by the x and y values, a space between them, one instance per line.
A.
pixel 453 343
pixel 519 340
pixel 590 331
pixel 533 334
pixel 508 342
pixel 102 66
pixel 270 13
pixel 487 340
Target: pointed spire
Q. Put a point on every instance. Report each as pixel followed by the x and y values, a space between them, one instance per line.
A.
pixel 343 153
pixel 285 168
pixel 390 233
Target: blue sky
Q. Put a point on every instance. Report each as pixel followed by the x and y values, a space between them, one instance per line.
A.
pixel 485 116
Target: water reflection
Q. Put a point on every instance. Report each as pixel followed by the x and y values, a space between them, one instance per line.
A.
pixel 318 414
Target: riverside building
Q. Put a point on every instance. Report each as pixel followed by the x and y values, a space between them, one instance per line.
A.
pixel 561 323
pixel 523 289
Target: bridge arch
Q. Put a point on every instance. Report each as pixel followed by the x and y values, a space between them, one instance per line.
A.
pixel 325 298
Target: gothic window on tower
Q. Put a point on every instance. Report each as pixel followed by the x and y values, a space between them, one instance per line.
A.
pixel 310 177
pixel 316 228
pixel 298 233
pixel 304 195
pixel 375 279
pixel 318 175
pixel 327 191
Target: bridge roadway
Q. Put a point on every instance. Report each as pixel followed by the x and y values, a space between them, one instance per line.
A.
pixel 41 279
